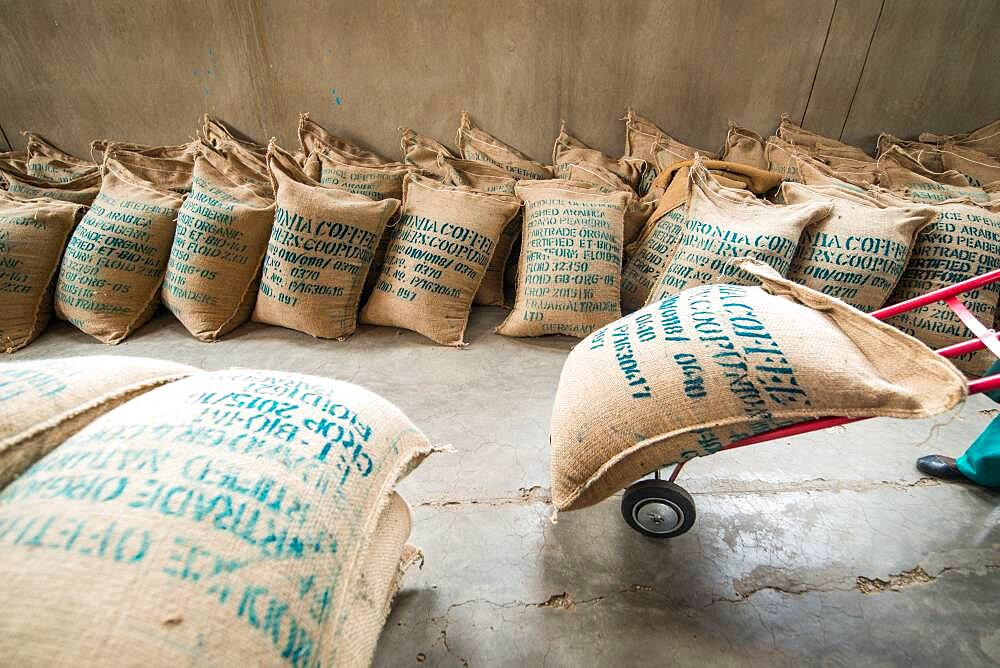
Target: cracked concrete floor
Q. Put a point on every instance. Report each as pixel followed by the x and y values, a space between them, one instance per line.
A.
pixel 826 549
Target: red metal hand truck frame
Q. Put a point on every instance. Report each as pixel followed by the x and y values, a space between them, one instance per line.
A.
pixel 662 509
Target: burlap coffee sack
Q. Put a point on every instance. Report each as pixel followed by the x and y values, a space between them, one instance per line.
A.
pixel 476 144
pixel 216 132
pixel 486 178
pixel 638 211
pixel 240 166
pixel 887 140
pixel 167 173
pixel 653 248
pixel 691 374
pixel 963 241
pixel 20 184
pixel 186 152
pixel 110 277
pixel 783 158
pixel 646 141
pixel 858 253
pixel 33 234
pixel 992 191
pixel 249 515
pixel 569 151
pixel 492 291
pixel 919 156
pixel 668 151
pixel 722 224
pixel 640 137
pixel 376 182
pixel 423 151
pixel 727 174
pixel 44 402
pixel 858 172
pixel 904 175
pixel 213 272
pixel 474 174
pixel 16 160
pixel 815 143
pixel 437 258
pixel 48 162
pixel 313 137
pixel 569 275
pixel 796 164
pixel 978 167
pixel 744 146
pixel 986 139
pixel 918 159
pixel 321 249
pixel 360 176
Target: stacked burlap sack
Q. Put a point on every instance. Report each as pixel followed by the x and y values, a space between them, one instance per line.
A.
pixel 222 230
pixel 155 511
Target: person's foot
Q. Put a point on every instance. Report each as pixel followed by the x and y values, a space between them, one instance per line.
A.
pixel 940 466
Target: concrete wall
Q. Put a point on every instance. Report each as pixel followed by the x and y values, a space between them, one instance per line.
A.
pixel 145 71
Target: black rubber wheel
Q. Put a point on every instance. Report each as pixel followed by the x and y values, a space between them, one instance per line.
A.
pixel 658 508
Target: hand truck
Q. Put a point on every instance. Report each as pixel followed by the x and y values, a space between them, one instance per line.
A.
pixel 660 508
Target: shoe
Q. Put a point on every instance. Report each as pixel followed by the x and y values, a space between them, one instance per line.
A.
pixel 940 466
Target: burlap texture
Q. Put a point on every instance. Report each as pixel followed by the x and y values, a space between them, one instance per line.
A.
pixel 646 141
pixel 922 159
pixel 16 160
pixel 217 132
pixel 904 175
pixel 860 250
pixel 986 139
pixel 45 161
pixel 474 174
pixel 744 146
pixel 321 249
pixel 239 165
pixel 163 172
pixel 33 234
pixel 490 179
pixel 887 140
pixel 722 224
pixel 569 151
pixel 44 402
pixel 963 241
pixel 817 144
pixel 796 164
pixel 213 272
pixel 655 244
pixel 422 151
pixel 20 184
pixel 638 211
pixel 187 152
pixel 704 368
pixel 640 138
pixel 492 291
pixel 437 258
pixel 978 167
pixel 245 516
pixel 569 276
pixel 314 137
pixel 668 151
pixel 376 182
pixel 361 175
pixel 476 144
pixel 110 277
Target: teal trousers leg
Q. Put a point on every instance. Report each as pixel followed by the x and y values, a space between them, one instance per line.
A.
pixel 981 462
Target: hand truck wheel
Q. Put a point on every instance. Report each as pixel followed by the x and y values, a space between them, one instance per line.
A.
pixel 658 508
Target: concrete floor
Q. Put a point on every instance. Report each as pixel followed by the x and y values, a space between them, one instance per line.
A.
pixel 828 549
